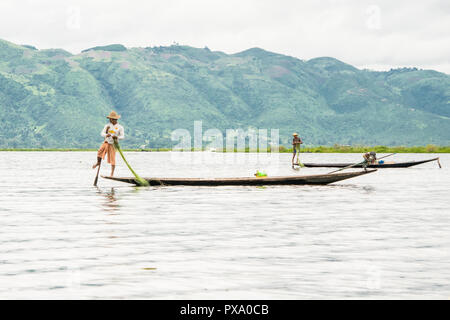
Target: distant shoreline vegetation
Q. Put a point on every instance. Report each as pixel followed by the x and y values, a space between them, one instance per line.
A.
pixel 283 149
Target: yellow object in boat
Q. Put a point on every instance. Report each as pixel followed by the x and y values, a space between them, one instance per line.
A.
pixel 260 174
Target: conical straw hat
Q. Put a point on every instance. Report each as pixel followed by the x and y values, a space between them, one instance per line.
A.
pixel 113 115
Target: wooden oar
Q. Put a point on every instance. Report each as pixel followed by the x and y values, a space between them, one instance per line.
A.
pixel 353 165
pixel 96 177
pixel 139 180
pixel 298 155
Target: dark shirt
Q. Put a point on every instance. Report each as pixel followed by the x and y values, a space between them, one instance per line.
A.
pixel 296 141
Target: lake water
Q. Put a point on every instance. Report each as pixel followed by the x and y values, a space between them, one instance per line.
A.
pixel 382 235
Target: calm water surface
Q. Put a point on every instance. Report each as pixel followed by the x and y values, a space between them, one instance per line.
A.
pixel 383 235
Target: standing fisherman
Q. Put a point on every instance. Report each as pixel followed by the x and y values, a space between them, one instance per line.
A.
pixel 111 132
pixel 369 158
pixel 296 142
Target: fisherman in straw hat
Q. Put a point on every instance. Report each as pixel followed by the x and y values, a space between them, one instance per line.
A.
pixel 296 142
pixel 111 132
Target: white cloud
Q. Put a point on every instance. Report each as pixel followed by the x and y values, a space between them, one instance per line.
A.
pixel 363 33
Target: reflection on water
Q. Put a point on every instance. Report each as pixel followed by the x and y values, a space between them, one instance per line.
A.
pixel 366 188
pixel 110 204
pixel 383 235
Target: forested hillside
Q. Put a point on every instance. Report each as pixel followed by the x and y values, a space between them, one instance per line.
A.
pixel 52 98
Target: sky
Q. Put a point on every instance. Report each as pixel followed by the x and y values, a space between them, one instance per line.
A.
pixel 376 34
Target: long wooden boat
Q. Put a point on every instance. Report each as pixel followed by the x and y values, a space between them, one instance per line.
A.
pixel 318 179
pixel 378 166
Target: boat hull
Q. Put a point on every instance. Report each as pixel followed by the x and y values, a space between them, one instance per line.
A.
pixel 319 179
pixel 375 166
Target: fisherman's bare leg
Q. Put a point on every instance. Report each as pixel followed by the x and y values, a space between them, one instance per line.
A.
pixel 112 170
pixel 99 160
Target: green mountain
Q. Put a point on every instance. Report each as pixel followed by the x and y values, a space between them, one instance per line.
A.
pixel 51 98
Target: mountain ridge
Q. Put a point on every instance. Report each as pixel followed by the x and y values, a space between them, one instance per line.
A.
pixel 44 94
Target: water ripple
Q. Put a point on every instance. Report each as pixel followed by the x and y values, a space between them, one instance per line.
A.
pixel 384 235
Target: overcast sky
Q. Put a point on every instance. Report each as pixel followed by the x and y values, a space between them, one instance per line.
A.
pixel 377 34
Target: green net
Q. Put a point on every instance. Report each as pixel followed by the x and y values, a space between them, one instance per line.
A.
pixel 139 180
